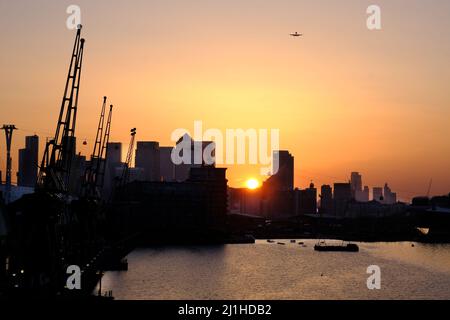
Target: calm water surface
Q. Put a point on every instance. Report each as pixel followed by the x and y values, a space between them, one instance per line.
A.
pixel 272 271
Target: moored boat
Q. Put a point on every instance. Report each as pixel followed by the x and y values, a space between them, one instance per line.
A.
pixel 350 247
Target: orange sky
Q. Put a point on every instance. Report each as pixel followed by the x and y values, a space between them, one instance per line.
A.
pixel 344 98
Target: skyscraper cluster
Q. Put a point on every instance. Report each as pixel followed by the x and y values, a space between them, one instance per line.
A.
pixel 335 201
pixel 153 162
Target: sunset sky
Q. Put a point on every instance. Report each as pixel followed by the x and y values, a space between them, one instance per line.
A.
pixel 344 98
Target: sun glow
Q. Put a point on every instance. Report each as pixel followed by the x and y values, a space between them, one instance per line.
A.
pixel 252 184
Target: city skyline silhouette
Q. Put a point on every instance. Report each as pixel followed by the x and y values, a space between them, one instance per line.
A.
pixel 344 98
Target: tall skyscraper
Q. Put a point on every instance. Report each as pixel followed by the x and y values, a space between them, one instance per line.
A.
pixel 283 179
pixel 358 193
pixel 307 200
pixel 326 199
pixel 280 198
pixel 342 191
pixel 147 158
pixel 342 195
pixel 356 182
pixel 389 196
pixel 364 195
pixel 28 162
pixel 377 194
pixel 113 161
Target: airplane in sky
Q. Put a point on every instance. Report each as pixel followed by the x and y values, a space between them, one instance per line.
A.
pixel 296 34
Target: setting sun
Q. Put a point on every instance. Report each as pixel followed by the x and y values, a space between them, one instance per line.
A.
pixel 252 184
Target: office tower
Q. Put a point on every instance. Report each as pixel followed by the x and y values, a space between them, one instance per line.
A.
pixel 394 198
pixel 358 193
pixel 377 194
pixel 182 170
pixel 280 199
pixel 113 161
pixel 389 196
pixel 364 195
pixel 285 169
pixel 342 195
pixel 307 200
pixel 28 162
pixel 166 165
pixel 114 152
pixel 147 158
pixel 356 184
pixel 283 179
pixel 326 199
pixel 342 191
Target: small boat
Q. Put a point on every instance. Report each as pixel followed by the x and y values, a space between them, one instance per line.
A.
pixel 293 241
pixel 281 243
pixel 270 241
pixel 301 243
pixel 350 247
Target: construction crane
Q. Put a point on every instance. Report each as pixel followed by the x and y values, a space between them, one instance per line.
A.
pixel 9 129
pixel 54 171
pixel 126 166
pixel 104 152
pixel 94 174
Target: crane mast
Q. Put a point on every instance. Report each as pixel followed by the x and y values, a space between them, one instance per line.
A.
pixel 54 171
pixel 9 129
pixel 94 174
pixel 104 152
pixel 126 167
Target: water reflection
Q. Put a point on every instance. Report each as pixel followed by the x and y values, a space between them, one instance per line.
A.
pixel 271 271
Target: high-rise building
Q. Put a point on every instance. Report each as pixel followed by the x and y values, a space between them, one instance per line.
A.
pixel 166 165
pixel 356 183
pixel 389 196
pixel 377 194
pixel 342 195
pixel 279 196
pixel 358 193
pixel 114 152
pixel 326 199
pixel 113 161
pixel 283 179
pixel 307 200
pixel 28 162
pixel 147 158
pixel 182 171
pixel 342 191
pixel 364 196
